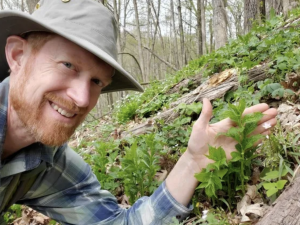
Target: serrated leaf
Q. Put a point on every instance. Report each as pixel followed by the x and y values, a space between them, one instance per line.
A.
pixel 203 176
pixel 210 191
pixel 236 156
pixel 252 118
pixel 202 185
pixel 250 141
pixel 242 106
pixel 235 133
pixel 234 109
pixel 249 128
pixel 216 154
pixel 231 115
pixel 280 184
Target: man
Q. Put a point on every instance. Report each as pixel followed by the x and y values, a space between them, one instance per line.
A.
pixel 60 59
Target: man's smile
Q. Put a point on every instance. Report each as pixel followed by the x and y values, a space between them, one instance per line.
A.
pixel 63 112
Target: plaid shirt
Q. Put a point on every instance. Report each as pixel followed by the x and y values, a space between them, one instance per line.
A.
pixel 70 193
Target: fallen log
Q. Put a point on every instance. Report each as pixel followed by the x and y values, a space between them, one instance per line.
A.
pixel 215 87
pixel 286 209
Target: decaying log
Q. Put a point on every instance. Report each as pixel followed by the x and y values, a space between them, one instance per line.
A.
pixel 215 87
pixel 190 83
pixel 286 209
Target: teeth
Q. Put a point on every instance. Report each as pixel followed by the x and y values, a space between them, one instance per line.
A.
pixel 62 111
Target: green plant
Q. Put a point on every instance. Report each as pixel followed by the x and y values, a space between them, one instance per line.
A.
pixel 14 212
pixel 102 163
pixel 139 166
pixel 238 168
pixel 273 187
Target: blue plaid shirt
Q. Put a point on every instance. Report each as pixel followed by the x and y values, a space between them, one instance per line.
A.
pixel 70 193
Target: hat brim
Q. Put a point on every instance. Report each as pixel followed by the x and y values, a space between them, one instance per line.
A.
pixel 16 23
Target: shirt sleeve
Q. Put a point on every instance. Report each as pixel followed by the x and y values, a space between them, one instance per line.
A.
pixel 70 193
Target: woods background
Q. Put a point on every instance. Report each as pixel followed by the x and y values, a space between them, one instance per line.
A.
pixel 157 38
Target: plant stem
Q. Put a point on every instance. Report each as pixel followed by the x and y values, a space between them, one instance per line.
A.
pixel 242 172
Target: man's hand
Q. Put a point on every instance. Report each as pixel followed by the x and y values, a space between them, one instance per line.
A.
pixel 181 182
pixel 205 134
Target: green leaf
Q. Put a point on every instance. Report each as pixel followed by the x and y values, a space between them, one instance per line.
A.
pixel 268 186
pixel 272 191
pixel 278 93
pixel 232 115
pixel 249 128
pixel 242 106
pixel 280 184
pixel 235 133
pixel 236 156
pixel 203 185
pixel 250 141
pixel 216 154
pixel 252 118
pixel 221 173
pixel 271 175
pixel 202 176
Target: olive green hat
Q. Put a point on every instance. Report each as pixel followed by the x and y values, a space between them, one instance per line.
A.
pixel 86 23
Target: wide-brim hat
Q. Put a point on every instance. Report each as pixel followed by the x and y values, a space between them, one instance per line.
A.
pixel 86 23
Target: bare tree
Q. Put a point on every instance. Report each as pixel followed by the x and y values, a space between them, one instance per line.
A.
pixel 174 32
pixel 139 37
pixel 219 23
pixel 181 33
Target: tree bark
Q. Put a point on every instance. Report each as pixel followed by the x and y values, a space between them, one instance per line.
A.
pixel 175 52
pixel 181 32
pixel 203 26
pixel 219 23
pixel 139 37
pixel 251 13
pixel 199 29
pixel 276 5
pixel 1 4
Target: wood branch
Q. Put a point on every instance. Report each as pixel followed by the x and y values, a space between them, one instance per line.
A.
pixel 164 61
pixel 135 59
pixel 157 56
pixel 215 87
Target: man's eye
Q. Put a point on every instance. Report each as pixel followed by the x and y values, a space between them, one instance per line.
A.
pixel 98 82
pixel 68 65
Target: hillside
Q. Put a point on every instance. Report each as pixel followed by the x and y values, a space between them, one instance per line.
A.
pixel 133 149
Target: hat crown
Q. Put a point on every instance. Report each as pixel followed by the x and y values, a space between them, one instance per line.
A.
pixel 85 19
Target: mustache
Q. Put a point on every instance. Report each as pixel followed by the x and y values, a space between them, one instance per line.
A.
pixel 69 105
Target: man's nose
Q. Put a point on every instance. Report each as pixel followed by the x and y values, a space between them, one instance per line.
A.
pixel 79 92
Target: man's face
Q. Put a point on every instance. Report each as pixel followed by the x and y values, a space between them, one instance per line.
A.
pixel 56 88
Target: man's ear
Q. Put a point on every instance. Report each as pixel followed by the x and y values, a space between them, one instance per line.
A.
pixel 14 50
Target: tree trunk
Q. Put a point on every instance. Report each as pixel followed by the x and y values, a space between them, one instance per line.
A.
pixel 211 31
pixel 139 39
pixel 31 5
pixel 175 52
pixel 199 29
pixel 1 4
pixel 219 23
pixel 203 26
pixel 183 55
pixel 251 13
pixel 276 5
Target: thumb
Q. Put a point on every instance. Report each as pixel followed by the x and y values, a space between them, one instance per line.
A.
pixel 206 113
